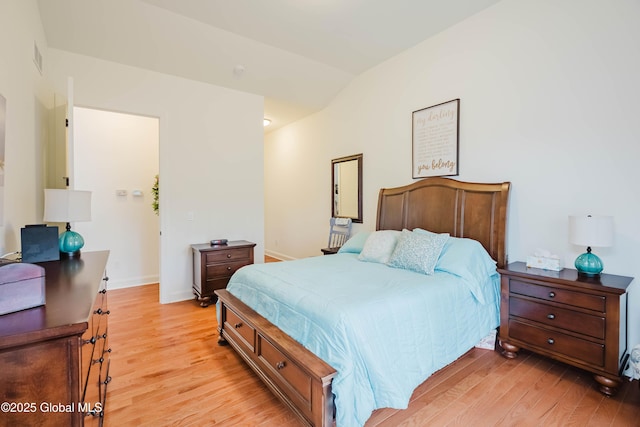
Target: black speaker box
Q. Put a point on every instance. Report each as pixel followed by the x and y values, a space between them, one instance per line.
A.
pixel 39 243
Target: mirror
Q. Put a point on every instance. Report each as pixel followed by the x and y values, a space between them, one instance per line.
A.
pixel 346 187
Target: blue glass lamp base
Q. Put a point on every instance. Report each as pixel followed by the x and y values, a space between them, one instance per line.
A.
pixel 589 264
pixel 70 244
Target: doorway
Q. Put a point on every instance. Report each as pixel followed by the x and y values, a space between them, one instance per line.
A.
pixel 116 157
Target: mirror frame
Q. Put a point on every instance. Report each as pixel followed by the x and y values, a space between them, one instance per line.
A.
pixel 358 158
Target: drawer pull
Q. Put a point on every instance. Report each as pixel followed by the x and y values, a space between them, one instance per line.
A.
pixel 552 294
pixel 228 268
pixel 107 350
pixel 550 341
pixel 104 291
pixel 91 341
pixel 98 360
pixel 551 316
pixel 98 311
pixel 228 255
pixel 238 325
pixel 281 365
pixel 107 381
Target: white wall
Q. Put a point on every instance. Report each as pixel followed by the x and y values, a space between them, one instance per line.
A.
pixel 549 101
pixel 115 151
pixel 28 99
pixel 211 155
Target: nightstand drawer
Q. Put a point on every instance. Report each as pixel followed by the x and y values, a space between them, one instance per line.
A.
pixel 211 285
pixel 228 255
pixel 559 317
pixel 562 296
pixel 558 343
pixel 220 271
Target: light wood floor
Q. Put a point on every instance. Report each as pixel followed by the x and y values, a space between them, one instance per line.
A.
pixel 168 370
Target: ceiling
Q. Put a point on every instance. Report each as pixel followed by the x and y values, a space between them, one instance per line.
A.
pixel 298 54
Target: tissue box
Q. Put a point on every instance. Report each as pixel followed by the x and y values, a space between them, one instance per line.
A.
pixel 22 286
pixel 544 263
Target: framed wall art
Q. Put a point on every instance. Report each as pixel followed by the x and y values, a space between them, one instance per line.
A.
pixel 3 110
pixel 435 140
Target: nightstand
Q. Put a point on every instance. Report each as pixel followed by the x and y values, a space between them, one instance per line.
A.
pixel 213 266
pixel 330 251
pixel 581 321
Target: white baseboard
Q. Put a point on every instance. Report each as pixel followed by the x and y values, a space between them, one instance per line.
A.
pixel 176 297
pixel 278 255
pixel 132 282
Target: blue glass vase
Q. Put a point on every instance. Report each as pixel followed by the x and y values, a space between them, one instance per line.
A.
pixel 589 264
pixel 70 242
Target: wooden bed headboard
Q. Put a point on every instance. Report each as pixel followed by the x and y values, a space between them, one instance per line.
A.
pixel 443 205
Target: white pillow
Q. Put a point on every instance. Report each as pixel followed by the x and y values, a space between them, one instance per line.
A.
pixel 379 246
pixel 418 252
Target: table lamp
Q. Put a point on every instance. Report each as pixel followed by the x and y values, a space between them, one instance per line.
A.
pixel 68 206
pixel 590 230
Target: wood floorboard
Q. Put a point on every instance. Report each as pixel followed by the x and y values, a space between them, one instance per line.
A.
pixel 168 370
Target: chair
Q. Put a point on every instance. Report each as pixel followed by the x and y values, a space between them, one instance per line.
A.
pixel 339 232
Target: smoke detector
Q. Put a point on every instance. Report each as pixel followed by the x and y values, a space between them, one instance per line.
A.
pixel 238 70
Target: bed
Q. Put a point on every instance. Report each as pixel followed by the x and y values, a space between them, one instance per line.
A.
pixel 335 337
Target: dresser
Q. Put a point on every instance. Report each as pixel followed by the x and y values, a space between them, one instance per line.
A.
pixel 213 266
pixel 54 359
pixel 575 319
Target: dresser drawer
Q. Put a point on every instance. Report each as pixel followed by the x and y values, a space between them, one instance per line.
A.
pixel 559 317
pixel 92 339
pixel 93 406
pixel 88 345
pixel 92 395
pixel 296 382
pixel 218 271
pixel 105 379
pixel 558 343
pixel 245 333
pixel 228 255
pixel 563 296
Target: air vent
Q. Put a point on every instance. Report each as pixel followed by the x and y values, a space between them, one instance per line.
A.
pixel 37 57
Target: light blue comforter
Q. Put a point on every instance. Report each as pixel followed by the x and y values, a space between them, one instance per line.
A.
pixel 384 330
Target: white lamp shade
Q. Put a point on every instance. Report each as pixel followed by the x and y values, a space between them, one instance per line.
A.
pixel 591 230
pixel 67 205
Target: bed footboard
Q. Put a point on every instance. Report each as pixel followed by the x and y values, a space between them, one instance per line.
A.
pixel 295 375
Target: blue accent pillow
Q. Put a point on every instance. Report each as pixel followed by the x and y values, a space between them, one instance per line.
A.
pixel 355 244
pixel 418 252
